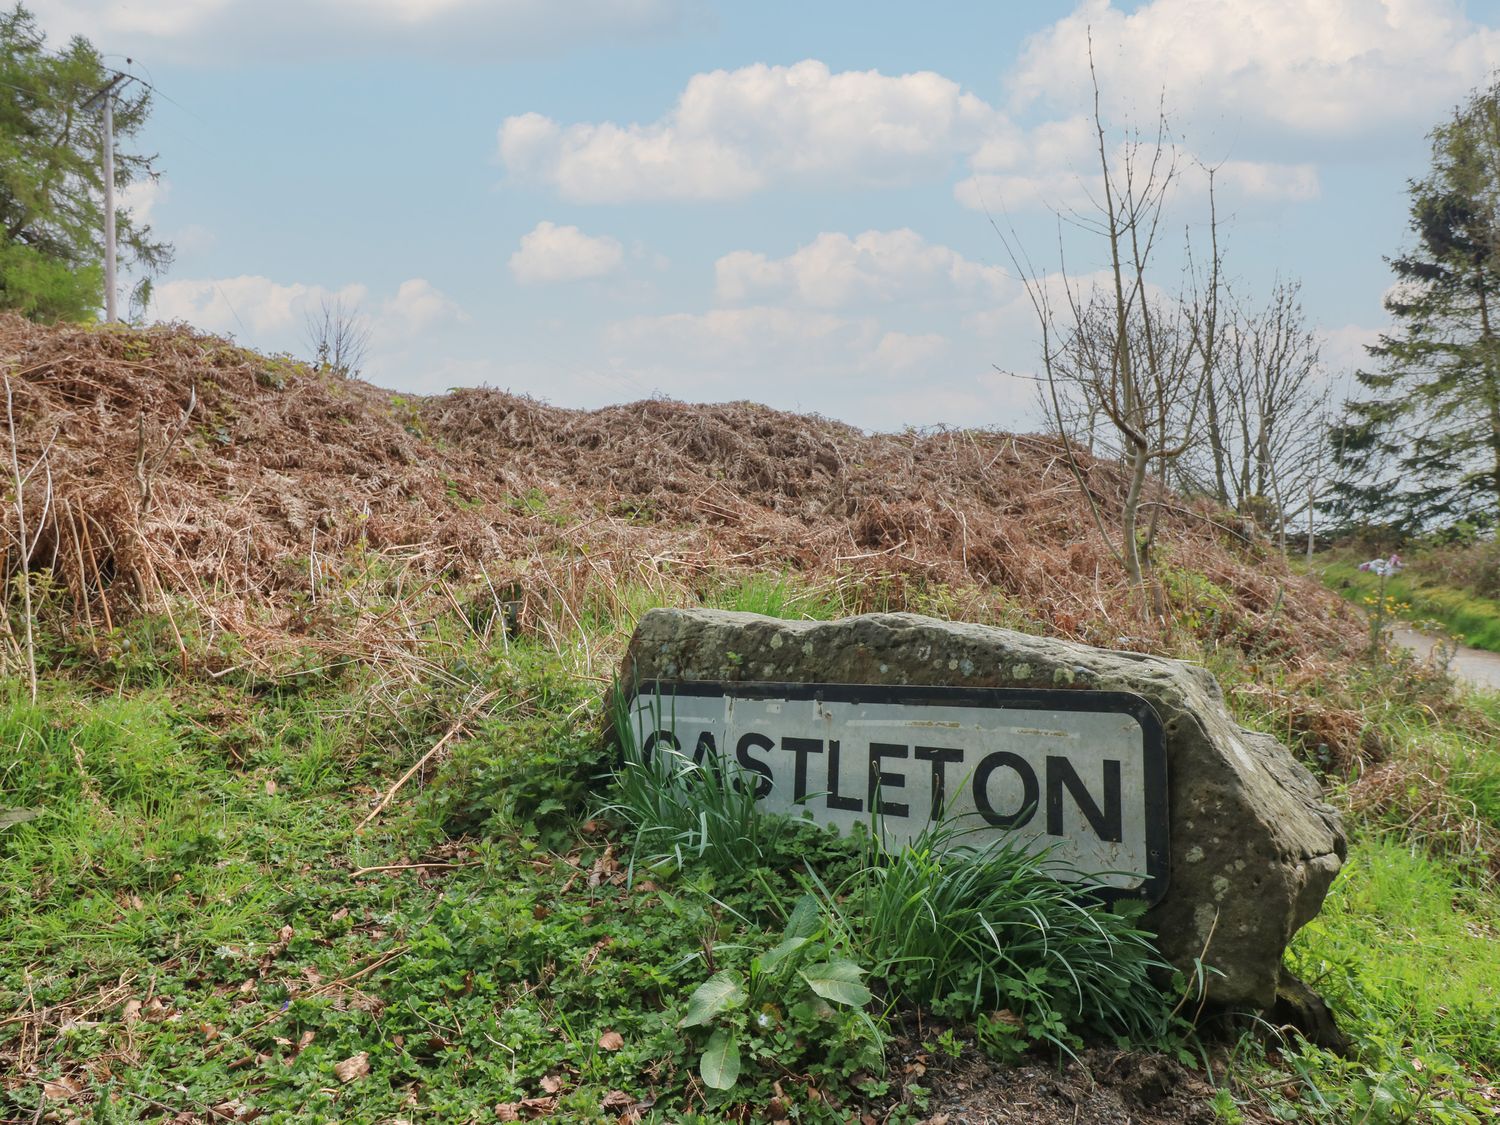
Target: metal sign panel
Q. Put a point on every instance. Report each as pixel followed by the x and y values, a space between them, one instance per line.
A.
pixel 1081 774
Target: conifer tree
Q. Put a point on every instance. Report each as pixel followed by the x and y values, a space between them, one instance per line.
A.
pixel 1423 449
pixel 51 182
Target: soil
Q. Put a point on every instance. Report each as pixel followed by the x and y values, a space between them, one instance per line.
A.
pixel 1100 1087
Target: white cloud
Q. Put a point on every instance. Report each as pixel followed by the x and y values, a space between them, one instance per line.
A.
pixel 732 133
pixel 902 351
pixel 141 198
pixel 273 315
pixel 1310 66
pixel 1056 165
pixel 1265 180
pixel 247 305
pixel 769 343
pixel 1343 349
pixel 417 306
pixel 198 31
pixel 553 253
pixel 835 271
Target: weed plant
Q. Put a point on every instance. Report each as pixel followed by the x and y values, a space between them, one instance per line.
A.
pixel 680 814
pixel 801 995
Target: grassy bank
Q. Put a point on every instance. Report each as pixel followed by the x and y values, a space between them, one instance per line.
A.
pixel 221 902
pixel 1474 619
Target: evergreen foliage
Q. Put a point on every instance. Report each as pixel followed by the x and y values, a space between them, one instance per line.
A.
pixel 51 182
pixel 1424 448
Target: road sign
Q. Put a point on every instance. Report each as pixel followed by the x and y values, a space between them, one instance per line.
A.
pixel 1079 774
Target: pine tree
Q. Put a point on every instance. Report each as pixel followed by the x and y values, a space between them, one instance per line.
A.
pixel 1424 449
pixel 51 183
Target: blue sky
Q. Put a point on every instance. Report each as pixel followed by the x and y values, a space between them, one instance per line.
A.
pixel 604 200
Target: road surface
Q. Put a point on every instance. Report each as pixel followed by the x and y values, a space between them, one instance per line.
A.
pixel 1474 665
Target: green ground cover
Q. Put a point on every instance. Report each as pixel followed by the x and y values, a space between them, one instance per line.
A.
pixel 195 919
pixel 1472 618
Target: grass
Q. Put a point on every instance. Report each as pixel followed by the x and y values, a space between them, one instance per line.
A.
pixel 192 918
pixel 1406 941
pixel 961 932
pixel 1475 619
pixel 680 813
pixel 781 596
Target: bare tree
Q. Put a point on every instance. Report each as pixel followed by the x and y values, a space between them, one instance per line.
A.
pixel 1267 408
pixel 339 337
pixel 1123 355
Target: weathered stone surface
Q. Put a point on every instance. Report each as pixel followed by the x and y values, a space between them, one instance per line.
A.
pixel 1253 846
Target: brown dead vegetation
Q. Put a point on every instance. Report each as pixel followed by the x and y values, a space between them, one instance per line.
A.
pixel 174 471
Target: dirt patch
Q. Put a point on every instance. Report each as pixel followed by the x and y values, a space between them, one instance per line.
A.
pixel 1100 1087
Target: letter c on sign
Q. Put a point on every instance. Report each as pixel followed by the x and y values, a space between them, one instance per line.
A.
pixel 655 737
pixel 1030 790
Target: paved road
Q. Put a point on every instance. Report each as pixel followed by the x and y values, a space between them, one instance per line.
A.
pixel 1480 668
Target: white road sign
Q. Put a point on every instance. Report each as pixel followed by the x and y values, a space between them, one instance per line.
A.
pixel 1081 773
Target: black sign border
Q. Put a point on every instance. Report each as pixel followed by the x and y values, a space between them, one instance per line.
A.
pixel 1153 749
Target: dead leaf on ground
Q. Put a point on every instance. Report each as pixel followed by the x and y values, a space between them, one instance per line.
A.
pixel 356 1066
pixel 611 1041
pixel 61 1089
pixel 270 787
pixel 551 1083
pixel 305 1041
pixel 604 867
pixel 131 1013
pixel 616 1100
pixel 507 1111
pixel 235 1110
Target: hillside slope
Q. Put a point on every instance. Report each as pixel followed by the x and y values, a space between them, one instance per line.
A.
pixel 171 464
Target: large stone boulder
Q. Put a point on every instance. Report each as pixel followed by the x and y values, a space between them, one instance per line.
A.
pixel 1252 846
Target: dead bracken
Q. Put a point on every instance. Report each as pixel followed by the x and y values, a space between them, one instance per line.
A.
pixel 175 467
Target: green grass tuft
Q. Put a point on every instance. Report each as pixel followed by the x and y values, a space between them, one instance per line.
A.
pixel 963 931
pixel 779 595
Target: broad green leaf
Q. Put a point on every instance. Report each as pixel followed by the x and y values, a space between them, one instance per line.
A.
pixel 838 981
pixel 720 1064
pixel 718 993
pixel 804 920
pixel 773 957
